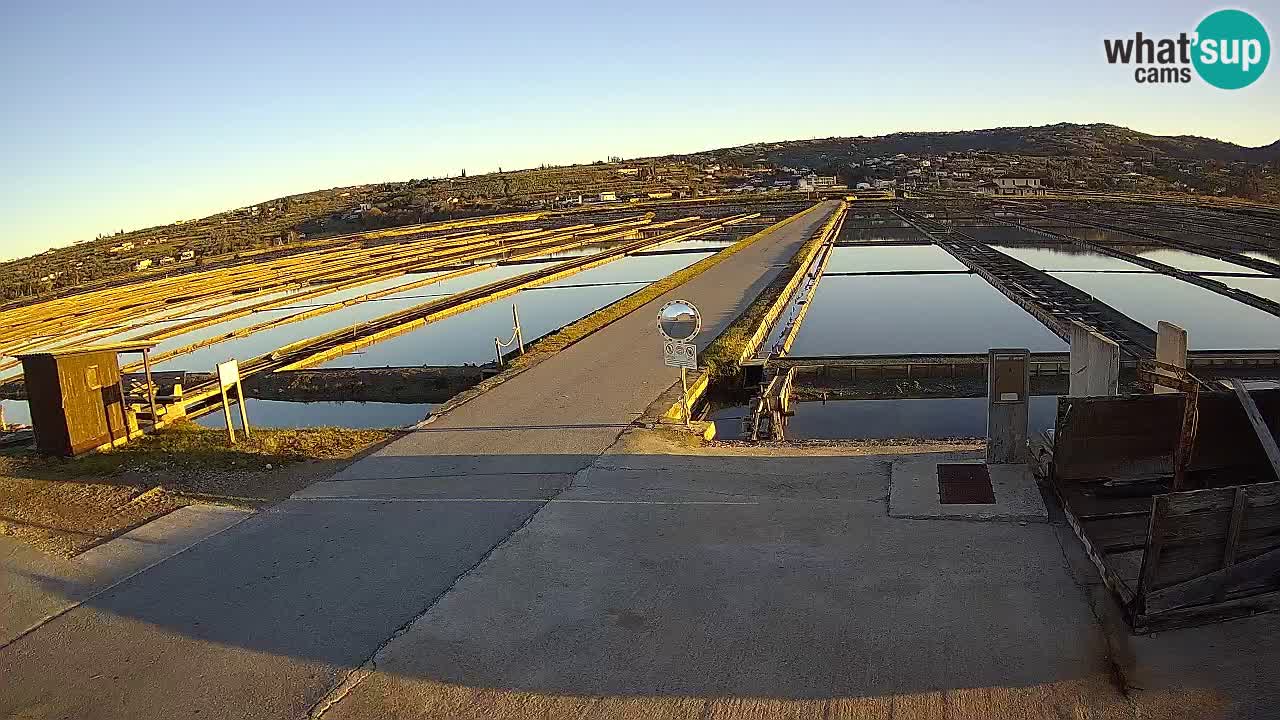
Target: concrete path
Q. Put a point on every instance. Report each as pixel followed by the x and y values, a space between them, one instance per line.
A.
pixel 263 620
pixel 732 585
pixel 36 587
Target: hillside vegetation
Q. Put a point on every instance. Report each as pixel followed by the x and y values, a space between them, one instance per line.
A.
pixel 1094 157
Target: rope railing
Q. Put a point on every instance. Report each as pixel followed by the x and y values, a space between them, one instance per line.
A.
pixel 517 336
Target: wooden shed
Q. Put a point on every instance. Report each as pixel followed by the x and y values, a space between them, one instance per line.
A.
pixel 77 399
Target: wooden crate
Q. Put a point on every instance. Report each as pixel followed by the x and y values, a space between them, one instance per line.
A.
pixel 1173 559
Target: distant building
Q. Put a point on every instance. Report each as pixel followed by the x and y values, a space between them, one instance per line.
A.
pixel 1018 186
pixel 167 260
pixel 824 181
pixel 187 255
pixel 142 264
pixel 608 197
pixel 122 247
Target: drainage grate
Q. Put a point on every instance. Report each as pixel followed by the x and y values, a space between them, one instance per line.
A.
pixel 964 484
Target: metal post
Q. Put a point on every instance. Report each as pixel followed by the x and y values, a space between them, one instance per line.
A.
pixel 151 390
pixel 226 414
pixel 244 414
pixel 684 395
pixel 497 350
pixel 124 404
pixel 515 318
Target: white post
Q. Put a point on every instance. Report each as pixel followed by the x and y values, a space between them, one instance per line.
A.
pixel 226 414
pixel 1095 363
pixel 244 414
pixel 515 319
pixel 1171 349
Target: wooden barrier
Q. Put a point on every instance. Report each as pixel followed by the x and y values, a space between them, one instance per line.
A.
pixel 1173 559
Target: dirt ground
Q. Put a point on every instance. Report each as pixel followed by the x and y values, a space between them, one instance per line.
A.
pixel 66 506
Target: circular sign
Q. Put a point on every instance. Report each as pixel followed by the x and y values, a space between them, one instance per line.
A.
pixel 1232 49
pixel 679 320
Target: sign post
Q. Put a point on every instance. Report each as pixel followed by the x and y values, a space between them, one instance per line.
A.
pixel 229 377
pixel 679 321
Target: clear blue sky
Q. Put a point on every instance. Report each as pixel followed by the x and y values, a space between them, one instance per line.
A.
pixel 124 115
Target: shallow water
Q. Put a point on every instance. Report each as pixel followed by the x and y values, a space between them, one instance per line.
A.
pixel 259 343
pixel 1066 258
pixel 467 338
pixel 924 418
pixel 1192 262
pixel 916 314
pixel 892 258
pixel 927 418
pixel 1212 321
pixel 882 234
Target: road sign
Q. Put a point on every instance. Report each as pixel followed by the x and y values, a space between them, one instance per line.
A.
pixel 229 379
pixel 228 373
pixel 680 354
pixel 679 320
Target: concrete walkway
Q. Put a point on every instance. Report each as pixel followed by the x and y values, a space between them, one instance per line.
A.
pixel 264 619
pixel 36 587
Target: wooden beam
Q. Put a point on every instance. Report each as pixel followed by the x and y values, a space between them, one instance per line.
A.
pixel 1198 591
pixel 1233 536
pixel 1259 425
pixel 1151 556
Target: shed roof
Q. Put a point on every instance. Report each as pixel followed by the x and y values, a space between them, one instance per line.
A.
pixel 135 346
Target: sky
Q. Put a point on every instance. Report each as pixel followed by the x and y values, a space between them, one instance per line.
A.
pixel 121 115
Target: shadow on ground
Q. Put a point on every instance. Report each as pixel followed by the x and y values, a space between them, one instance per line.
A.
pixel 567 585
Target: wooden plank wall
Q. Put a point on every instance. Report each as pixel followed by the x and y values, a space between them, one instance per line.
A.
pixel 1131 436
pixel 1210 547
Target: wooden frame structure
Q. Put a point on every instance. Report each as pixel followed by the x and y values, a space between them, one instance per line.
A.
pixel 1175 498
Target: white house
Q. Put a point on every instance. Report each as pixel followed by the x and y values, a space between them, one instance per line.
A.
pixel 1018 186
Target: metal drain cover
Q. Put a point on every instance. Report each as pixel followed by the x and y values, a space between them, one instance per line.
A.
pixel 964 484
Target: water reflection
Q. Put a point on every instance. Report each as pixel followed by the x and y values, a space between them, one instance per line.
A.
pixel 1066 258
pixel 922 418
pixel 884 314
pixel 467 338
pixel 260 343
pixel 892 258
pixel 1212 321
pixel 1192 262
pixel 925 418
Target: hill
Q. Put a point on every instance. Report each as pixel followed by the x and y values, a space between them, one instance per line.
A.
pixel 1097 157
pixel 1063 140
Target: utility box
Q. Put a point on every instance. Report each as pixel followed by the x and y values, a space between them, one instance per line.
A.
pixel 1008 397
pixel 77 400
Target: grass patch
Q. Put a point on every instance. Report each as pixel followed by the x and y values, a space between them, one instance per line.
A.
pixel 67 505
pixel 188 446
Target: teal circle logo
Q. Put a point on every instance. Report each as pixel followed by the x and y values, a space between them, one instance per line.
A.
pixel 1232 49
